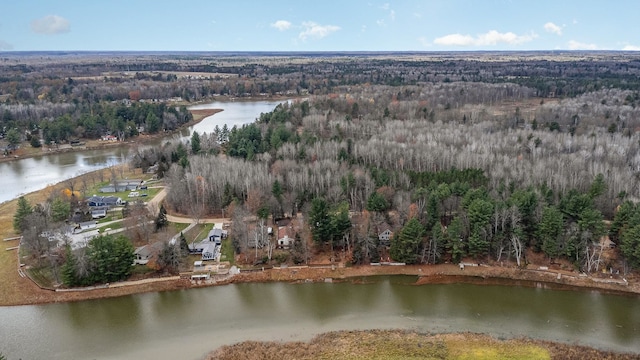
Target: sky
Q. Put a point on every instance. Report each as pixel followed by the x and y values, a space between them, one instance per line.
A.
pixel 329 25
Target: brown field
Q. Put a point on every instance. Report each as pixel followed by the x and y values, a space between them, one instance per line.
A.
pixel 398 344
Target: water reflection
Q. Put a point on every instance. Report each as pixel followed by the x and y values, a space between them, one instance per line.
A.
pixel 186 323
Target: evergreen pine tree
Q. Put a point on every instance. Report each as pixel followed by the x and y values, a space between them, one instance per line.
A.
pixel 405 245
pixel 69 275
pixel 184 246
pixel 24 209
pixel 161 220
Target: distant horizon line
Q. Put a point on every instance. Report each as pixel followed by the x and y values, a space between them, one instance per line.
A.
pixel 278 52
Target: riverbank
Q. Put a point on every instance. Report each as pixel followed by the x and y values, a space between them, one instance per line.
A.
pixel 18 290
pixel 25 292
pixel 442 274
pixel 26 151
pixel 400 344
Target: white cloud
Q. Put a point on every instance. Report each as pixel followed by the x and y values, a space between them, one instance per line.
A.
pixel 387 8
pixel 631 48
pixel 417 15
pixel 575 45
pixel 50 24
pixel 5 45
pixel 455 39
pixel 492 37
pixel 317 31
pixel 553 28
pixel 381 23
pixel 281 25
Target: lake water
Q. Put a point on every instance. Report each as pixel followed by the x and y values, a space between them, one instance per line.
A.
pixel 187 324
pixel 30 174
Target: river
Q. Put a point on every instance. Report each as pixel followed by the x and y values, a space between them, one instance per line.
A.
pixel 186 324
pixel 31 174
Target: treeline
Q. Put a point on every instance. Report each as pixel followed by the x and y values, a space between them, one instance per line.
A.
pixel 550 75
pixel 92 121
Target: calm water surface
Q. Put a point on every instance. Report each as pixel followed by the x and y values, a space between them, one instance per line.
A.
pixel 187 324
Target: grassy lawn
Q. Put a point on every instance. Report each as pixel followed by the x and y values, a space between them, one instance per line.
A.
pixel 187 264
pixel 463 349
pixel 111 216
pixel 141 270
pixel 198 232
pixel 226 253
pixel 178 227
pixel 113 226
pixel 124 195
pixel 43 276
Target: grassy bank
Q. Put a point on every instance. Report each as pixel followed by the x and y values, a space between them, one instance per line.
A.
pixel 398 344
pixel 14 289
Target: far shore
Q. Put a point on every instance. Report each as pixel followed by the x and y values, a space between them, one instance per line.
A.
pixel 198 116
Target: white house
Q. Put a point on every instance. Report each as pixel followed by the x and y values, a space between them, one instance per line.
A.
pixel 98 212
pixel 384 234
pixel 211 251
pixel 285 237
pixel 209 248
pixel 142 255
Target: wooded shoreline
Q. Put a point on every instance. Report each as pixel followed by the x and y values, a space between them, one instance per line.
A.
pixel 198 116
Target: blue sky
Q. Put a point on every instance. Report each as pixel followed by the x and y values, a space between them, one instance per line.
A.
pixel 329 25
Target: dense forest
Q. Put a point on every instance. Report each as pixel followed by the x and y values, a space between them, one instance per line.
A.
pixel 483 156
pixel 457 168
pixel 79 95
